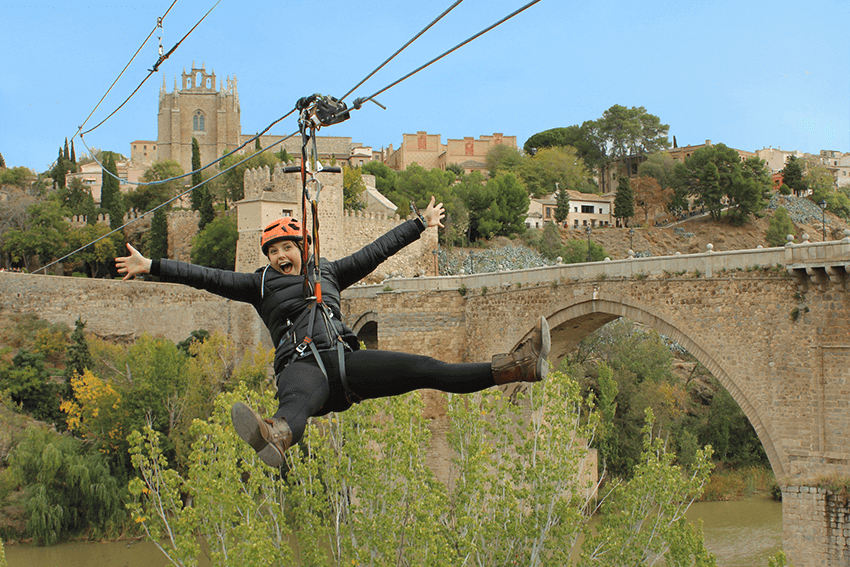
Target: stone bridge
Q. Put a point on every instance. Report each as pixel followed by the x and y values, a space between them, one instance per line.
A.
pixel 772 325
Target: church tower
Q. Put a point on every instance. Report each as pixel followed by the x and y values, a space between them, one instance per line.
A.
pixel 197 110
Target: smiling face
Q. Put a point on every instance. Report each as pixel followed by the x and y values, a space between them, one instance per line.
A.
pixel 285 257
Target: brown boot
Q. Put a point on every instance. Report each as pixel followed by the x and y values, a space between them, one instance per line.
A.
pixel 270 438
pixel 527 362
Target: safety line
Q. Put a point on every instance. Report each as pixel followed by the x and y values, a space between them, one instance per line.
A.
pixel 157 26
pixel 155 68
pixel 146 213
pixel 402 48
pixel 360 101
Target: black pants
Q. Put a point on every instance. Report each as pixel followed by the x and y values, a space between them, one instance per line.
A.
pixel 304 391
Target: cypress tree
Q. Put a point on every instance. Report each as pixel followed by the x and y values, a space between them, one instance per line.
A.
pixel 77 357
pixel 257 145
pixel 624 202
pixel 111 200
pixel 158 244
pixel 73 158
pixel 562 201
pixel 201 198
pixel 66 154
pixel 2 162
pixel 58 172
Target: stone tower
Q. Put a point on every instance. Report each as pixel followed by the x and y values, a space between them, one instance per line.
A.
pixel 197 110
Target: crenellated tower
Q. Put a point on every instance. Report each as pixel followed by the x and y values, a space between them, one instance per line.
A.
pixel 197 109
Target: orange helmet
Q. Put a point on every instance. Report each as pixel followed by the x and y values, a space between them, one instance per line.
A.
pixel 286 228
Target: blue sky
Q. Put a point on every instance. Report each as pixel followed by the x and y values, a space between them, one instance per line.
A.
pixel 748 74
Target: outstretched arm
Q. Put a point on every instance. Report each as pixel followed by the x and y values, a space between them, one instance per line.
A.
pixel 133 265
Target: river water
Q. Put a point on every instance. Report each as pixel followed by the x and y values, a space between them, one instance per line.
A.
pixel 741 534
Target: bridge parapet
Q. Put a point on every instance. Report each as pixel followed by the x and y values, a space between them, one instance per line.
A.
pixel 819 262
pixel 823 265
pixel 706 263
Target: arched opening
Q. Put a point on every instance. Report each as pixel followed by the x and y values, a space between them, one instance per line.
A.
pixel 366 329
pixel 571 324
pixel 644 359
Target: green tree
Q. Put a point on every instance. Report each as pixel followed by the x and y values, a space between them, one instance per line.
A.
pixel 200 196
pixel 60 170
pixel 158 189
pixel 385 178
pixel 158 236
pixel 77 355
pixel 2 162
pixel 562 209
pixel 78 200
pixel 27 382
pixel 792 176
pixel 659 166
pixel 551 166
pixel 456 168
pixel 68 489
pixel 44 235
pixel 196 167
pixel 215 245
pixel 99 253
pixel 583 138
pixel 17 176
pixel 284 156
pixel 520 494
pixel 483 211
pixel 624 201
pixel 111 198
pixel 233 181
pixel 502 158
pixel 631 131
pixel 353 188
pixel 655 500
pixel 717 177
pixel 512 201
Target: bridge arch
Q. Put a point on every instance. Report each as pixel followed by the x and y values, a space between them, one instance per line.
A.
pixel 574 320
pixel 366 329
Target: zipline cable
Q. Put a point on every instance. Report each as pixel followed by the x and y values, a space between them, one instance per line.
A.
pixel 156 27
pixel 402 48
pixel 146 213
pixel 358 102
pixel 155 68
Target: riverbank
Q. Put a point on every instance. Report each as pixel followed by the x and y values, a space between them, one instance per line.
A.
pixel 728 484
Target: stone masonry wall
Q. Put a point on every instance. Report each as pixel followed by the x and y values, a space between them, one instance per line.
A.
pixel 815 526
pixel 123 311
pixel 182 228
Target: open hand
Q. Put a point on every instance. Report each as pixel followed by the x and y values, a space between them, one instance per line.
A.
pixel 434 214
pixel 133 265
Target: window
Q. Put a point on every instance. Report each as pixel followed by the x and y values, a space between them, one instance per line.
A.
pixel 198 121
pixel 587 209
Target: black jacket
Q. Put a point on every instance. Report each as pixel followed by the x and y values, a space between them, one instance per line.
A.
pixel 280 299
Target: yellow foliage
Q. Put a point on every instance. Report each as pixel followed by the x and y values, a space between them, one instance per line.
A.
pixel 94 410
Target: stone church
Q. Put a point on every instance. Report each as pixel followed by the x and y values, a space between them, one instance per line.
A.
pixel 198 110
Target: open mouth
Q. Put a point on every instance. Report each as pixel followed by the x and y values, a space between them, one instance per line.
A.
pixel 286 267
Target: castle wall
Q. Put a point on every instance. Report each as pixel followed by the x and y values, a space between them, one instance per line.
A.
pixel 270 194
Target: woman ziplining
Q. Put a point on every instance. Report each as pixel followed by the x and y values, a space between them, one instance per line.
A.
pixel 319 367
